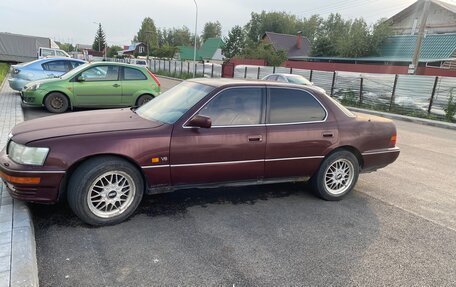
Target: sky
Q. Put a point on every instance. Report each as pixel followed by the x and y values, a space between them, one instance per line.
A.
pixel 73 21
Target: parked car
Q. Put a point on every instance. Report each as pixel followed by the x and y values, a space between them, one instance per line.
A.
pixel 100 84
pixel 292 78
pixel 22 74
pixel 140 62
pixel 44 52
pixel 201 133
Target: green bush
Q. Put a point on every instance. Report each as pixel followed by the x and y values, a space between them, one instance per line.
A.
pixel 183 75
pixel 450 109
pixel 3 71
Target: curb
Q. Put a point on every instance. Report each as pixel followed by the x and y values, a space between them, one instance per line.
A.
pixel 16 220
pixel 427 122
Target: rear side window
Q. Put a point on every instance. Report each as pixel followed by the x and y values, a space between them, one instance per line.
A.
pixel 294 106
pixel 57 66
pixel 133 74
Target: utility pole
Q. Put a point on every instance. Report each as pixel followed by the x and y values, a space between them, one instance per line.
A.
pixel 194 45
pixel 419 39
pixel 148 33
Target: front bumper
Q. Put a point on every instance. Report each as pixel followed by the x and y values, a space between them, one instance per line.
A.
pixel 32 98
pixel 30 183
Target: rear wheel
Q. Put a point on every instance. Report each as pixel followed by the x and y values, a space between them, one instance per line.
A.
pixel 56 102
pixel 105 190
pixel 336 176
pixel 143 99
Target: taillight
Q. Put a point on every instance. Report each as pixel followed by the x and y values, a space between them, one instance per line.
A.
pixel 393 140
pixel 154 77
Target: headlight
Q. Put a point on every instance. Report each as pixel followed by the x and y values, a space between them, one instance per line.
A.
pixel 34 87
pixel 27 155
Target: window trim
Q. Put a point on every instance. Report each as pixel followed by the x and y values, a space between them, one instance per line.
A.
pixel 264 97
pixel 268 105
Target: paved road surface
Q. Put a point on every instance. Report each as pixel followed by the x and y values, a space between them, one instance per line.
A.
pixel 398 227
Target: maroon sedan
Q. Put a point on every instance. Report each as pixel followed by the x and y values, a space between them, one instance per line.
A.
pixel 201 133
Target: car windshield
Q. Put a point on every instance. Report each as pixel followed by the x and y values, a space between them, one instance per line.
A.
pixel 172 104
pixel 296 79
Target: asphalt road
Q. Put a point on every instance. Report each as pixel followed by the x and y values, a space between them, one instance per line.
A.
pixel 398 228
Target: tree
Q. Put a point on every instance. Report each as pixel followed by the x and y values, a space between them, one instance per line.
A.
pixel 211 30
pixel 235 43
pixel 309 27
pixel 99 44
pixel 381 30
pixel 112 51
pixel 266 52
pixel 147 34
pixel 67 47
pixel 278 22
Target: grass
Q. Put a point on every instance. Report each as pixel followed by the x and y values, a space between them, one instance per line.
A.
pixel 183 75
pixel 3 71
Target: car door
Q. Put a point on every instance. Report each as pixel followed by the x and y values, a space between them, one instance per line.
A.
pixel 98 86
pixel 233 149
pixel 299 131
pixel 133 80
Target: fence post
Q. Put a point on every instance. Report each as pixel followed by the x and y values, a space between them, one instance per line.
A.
pixel 182 67
pixel 258 73
pixel 212 70
pixel 361 91
pixel 204 69
pixel 169 66
pixel 333 82
pixel 188 67
pixel 273 70
pixel 432 95
pixel 196 66
pixel 245 73
pixel 175 68
pixel 291 70
pixel 310 76
pixel 393 93
pixel 155 66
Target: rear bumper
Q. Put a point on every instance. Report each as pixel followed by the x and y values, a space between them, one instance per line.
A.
pixel 30 183
pixel 17 84
pixel 376 159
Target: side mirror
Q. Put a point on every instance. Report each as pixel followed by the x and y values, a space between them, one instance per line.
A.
pixel 81 79
pixel 200 122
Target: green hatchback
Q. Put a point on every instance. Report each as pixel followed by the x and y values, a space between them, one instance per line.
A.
pixel 98 85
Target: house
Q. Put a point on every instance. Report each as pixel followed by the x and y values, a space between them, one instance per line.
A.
pixel 294 45
pixel 134 49
pixel 211 50
pixel 22 48
pixel 441 18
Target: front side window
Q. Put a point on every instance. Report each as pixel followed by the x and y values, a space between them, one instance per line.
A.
pixel 294 106
pixel 61 53
pixel 101 73
pixel 235 106
pixel 133 74
pixel 47 52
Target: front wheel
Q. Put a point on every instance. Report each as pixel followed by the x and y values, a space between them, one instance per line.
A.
pixel 56 103
pixel 105 190
pixel 336 176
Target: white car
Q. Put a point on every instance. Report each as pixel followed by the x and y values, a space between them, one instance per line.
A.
pixel 294 79
pixel 139 62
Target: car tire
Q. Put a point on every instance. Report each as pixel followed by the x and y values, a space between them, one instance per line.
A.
pixel 143 99
pixel 105 190
pixel 56 103
pixel 336 176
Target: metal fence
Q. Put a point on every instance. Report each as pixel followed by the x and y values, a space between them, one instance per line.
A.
pixel 420 96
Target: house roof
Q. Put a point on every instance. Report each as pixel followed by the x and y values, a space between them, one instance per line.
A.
pixel 132 47
pixel 288 43
pixel 186 53
pixel 400 48
pixel 209 48
pixel 418 6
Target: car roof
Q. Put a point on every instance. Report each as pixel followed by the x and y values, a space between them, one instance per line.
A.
pixel 115 63
pixel 220 82
pixel 60 58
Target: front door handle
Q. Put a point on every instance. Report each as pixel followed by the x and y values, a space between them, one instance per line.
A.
pixel 116 85
pixel 258 138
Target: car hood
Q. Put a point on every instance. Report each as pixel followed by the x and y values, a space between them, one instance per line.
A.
pixel 42 82
pixel 80 123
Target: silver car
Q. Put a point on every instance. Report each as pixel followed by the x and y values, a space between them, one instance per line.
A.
pixel 294 79
pixel 23 73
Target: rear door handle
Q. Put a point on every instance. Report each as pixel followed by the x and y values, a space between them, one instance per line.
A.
pixel 328 134
pixel 116 85
pixel 255 138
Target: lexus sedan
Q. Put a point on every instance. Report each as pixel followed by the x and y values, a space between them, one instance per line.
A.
pixel 22 74
pixel 94 85
pixel 201 133
pixel 292 78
